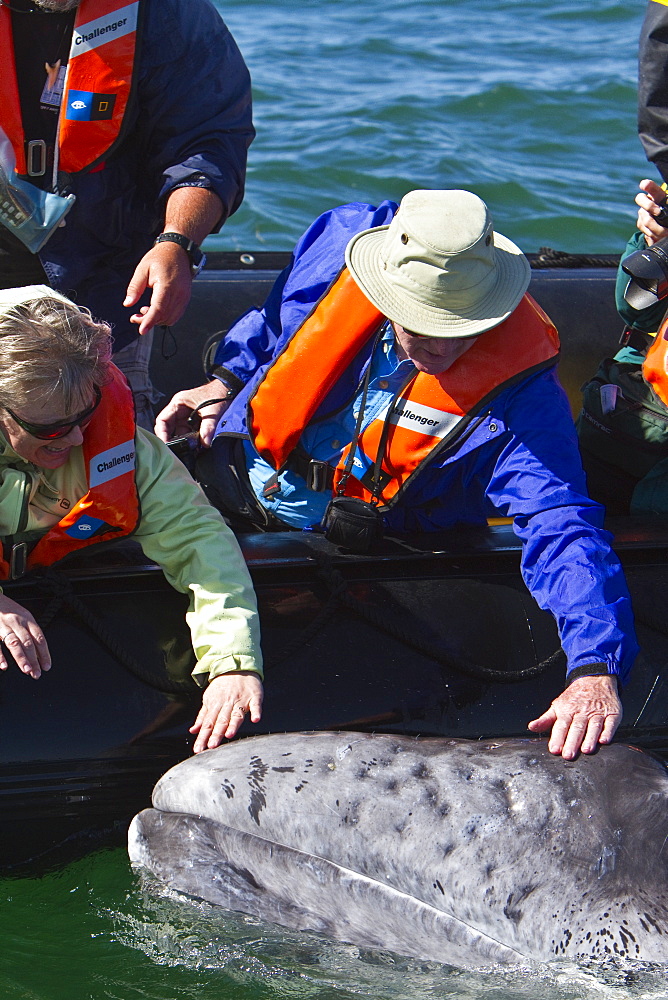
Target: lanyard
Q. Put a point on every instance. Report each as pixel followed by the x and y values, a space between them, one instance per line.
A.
pixel 375 498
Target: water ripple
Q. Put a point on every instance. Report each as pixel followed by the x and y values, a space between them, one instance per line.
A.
pixel 531 106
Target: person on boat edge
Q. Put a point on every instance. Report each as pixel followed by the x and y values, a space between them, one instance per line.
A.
pixel 623 426
pixel 427 331
pixel 161 149
pixel 75 471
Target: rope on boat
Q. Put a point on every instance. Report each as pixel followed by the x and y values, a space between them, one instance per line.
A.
pixel 328 610
pixel 62 595
pixel 547 257
pixel 388 624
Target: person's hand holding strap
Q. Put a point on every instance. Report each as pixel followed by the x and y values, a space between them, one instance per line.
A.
pixel 173 420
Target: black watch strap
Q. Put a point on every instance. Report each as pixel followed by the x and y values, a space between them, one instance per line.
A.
pixel 233 384
pixel 195 255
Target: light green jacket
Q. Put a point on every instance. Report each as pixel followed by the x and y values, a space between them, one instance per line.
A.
pixel 179 530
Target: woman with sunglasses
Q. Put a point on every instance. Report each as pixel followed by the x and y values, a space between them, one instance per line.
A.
pixel 76 471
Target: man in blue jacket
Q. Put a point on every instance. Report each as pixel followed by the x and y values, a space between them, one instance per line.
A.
pixel 124 122
pixel 399 363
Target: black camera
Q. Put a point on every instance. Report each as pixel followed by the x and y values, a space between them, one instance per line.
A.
pixel 648 275
pixel 186 449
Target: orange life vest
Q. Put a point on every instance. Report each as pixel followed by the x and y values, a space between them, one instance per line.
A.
pixel 431 412
pixel 655 365
pixel 97 88
pixel 110 508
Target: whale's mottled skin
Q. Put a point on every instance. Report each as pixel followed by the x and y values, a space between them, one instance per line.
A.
pixel 470 853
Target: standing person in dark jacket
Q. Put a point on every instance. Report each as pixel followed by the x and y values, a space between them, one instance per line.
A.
pixel 121 122
pixel 653 85
pixel 399 361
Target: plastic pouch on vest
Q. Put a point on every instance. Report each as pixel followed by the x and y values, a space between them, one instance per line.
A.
pixel 353 524
pixel 623 422
pixel 29 213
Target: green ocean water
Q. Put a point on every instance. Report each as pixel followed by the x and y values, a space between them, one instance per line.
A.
pixel 93 931
pixel 533 107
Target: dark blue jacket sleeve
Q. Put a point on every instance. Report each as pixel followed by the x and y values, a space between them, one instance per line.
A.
pixel 567 562
pixel 195 99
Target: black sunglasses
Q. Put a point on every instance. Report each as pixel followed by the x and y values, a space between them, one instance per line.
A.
pixel 50 432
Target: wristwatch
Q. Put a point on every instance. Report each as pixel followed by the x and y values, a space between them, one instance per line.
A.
pixel 195 255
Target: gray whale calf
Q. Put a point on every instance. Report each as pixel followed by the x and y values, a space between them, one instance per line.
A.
pixel 469 853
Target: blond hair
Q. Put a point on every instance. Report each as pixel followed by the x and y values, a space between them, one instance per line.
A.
pixel 50 347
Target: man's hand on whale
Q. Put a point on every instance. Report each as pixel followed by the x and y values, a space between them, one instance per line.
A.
pixel 587 713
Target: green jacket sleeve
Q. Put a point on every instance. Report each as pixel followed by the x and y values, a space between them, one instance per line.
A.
pixel 199 555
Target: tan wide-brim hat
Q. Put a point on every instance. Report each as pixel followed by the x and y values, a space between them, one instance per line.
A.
pixel 439 268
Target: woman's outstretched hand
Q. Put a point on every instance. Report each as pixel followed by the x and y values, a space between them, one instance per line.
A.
pixel 21 636
pixel 225 703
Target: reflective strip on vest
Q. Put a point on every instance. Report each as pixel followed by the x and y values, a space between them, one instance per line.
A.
pixel 110 508
pixel 432 412
pixel 655 365
pixel 98 84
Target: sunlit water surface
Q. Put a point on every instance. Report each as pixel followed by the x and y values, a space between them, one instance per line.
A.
pixel 531 105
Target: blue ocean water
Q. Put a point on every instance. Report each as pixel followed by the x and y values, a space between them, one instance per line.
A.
pixel 533 107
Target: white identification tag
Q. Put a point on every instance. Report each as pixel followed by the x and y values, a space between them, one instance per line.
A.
pixel 112 463
pixel 424 419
